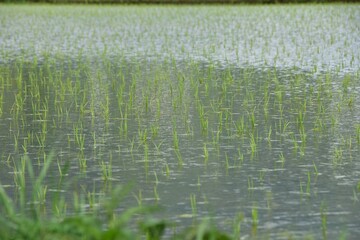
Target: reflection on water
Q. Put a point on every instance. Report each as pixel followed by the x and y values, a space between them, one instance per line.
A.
pixel 241 107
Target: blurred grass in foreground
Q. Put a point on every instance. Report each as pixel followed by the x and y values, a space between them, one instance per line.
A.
pixel 25 218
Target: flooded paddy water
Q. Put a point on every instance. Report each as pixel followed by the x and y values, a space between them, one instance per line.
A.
pixel 246 114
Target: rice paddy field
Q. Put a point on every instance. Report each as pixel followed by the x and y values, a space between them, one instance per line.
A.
pixel 245 115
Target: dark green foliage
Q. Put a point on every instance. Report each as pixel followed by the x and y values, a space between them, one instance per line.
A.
pixel 178 1
pixel 153 228
pixel 205 231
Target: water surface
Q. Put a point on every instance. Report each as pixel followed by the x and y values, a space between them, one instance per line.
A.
pixel 245 107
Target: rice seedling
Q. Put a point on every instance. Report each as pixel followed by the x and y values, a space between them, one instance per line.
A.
pixel 250 184
pixel 268 138
pixel 262 175
pixel 179 158
pixel 156 194
pixel 106 169
pixel 193 204
pixel 175 140
pixel 82 161
pixel 316 172
pixel 357 133
pixel 255 220
pixel 269 200
pixel 41 194
pixel 139 198
pixel 240 126
pixel 204 124
pixel 252 120
pixel 154 131
pixel 338 156
pixel 355 197
pixel 226 163
pixel 303 136
pixel 132 145
pixel 143 136
pixel 1 103
pixel 240 156
pixel 206 154
pixel 166 170
pixel 308 184
pixel 253 144
pixel 323 221
pixel 281 159
pixel 239 218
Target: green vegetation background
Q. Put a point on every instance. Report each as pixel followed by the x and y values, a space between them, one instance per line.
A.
pixel 180 1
